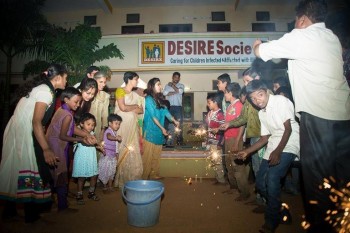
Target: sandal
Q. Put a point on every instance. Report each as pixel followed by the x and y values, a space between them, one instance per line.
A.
pixel 93 196
pixel 80 199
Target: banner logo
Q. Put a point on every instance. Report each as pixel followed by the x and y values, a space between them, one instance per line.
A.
pixel 153 52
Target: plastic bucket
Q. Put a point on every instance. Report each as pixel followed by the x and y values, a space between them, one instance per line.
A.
pixel 143 202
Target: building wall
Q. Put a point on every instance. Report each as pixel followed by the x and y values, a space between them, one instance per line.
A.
pixel 198 16
pixel 198 80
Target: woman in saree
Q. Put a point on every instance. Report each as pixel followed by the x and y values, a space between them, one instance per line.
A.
pixel 128 106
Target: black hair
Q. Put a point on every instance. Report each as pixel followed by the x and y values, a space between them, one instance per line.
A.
pixel 225 78
pixel 215 97
pixel 167 103
pixel 252 72
pixel 52 71
pixel 85 106
pixel 87 83
pixel 282 81
pixel 91 69
pixel 176 73
pixel 315 10
pixel 286 91
pixel 243 91
pixel 234 88
pixel 69 92
pixel 87 116
pixel 114 117
pixel 129 75
pixel 159 98
pixel 255 85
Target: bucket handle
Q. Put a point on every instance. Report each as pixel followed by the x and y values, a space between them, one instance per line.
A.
pixel 142 203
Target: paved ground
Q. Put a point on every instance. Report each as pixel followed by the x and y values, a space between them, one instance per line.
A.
pixel 197 208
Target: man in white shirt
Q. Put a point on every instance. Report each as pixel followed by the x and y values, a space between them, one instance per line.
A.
pixel 322 99
pixel 173 91
pixel 280 132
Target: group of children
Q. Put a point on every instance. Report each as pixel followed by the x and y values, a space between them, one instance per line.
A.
pixel 62 132
pixel 274 141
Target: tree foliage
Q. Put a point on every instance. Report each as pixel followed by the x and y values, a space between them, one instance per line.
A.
pixel 21 23
pixel 75 48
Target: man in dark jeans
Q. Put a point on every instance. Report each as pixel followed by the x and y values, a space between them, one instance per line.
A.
pixel 321 96
pixel 173 92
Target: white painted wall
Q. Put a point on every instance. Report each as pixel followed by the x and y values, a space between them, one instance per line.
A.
pixel 197 80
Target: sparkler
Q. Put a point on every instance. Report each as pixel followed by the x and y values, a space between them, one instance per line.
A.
pixel 129 148
pixel 177 130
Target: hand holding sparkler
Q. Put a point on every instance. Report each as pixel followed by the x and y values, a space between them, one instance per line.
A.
pixel 118 138
pixel 164 132
pixel 100 146
pixel 177 123
pixel 90 140
pixel 242 155
pixel 224 126
pixel 214 130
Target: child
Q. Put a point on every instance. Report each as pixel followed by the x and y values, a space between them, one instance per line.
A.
pixel 237 173
pixel 100 104
pixel 108 163
pixel 280 82
pixel 223 81
pixel 280 132
pixel 59 134
pixel 85 161
pixel 214 119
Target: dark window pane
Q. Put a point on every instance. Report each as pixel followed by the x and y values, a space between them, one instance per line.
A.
pixel 133 29
pixel 218 27
pixel 218 16
pixel 133 18
pixel 175 28
pixel 90 20
pixel 263 27
pixel 262 16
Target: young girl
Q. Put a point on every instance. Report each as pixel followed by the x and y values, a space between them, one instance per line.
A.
pixel 99 106
pixel 153 129
pixel 85 161
pixel 88 89
pixel 107 164
pixel 59 133
pixel 26 154
pixel 237 173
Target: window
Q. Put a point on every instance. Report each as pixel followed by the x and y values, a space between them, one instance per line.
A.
pixel 218 16
pixel 133 18
pixel 218 27
pixel 90 20
pixel 262 16
pixel 175 28
pixel 133 29
pixel 263 27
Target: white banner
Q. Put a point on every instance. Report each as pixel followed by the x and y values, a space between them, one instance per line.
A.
pixel 196 52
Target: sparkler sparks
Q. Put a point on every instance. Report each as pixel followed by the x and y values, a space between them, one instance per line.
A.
pixel 339 217
pixel 177 130
pixel 129 148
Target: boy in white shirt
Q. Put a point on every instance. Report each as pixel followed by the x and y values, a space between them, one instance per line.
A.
pixel 280 132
